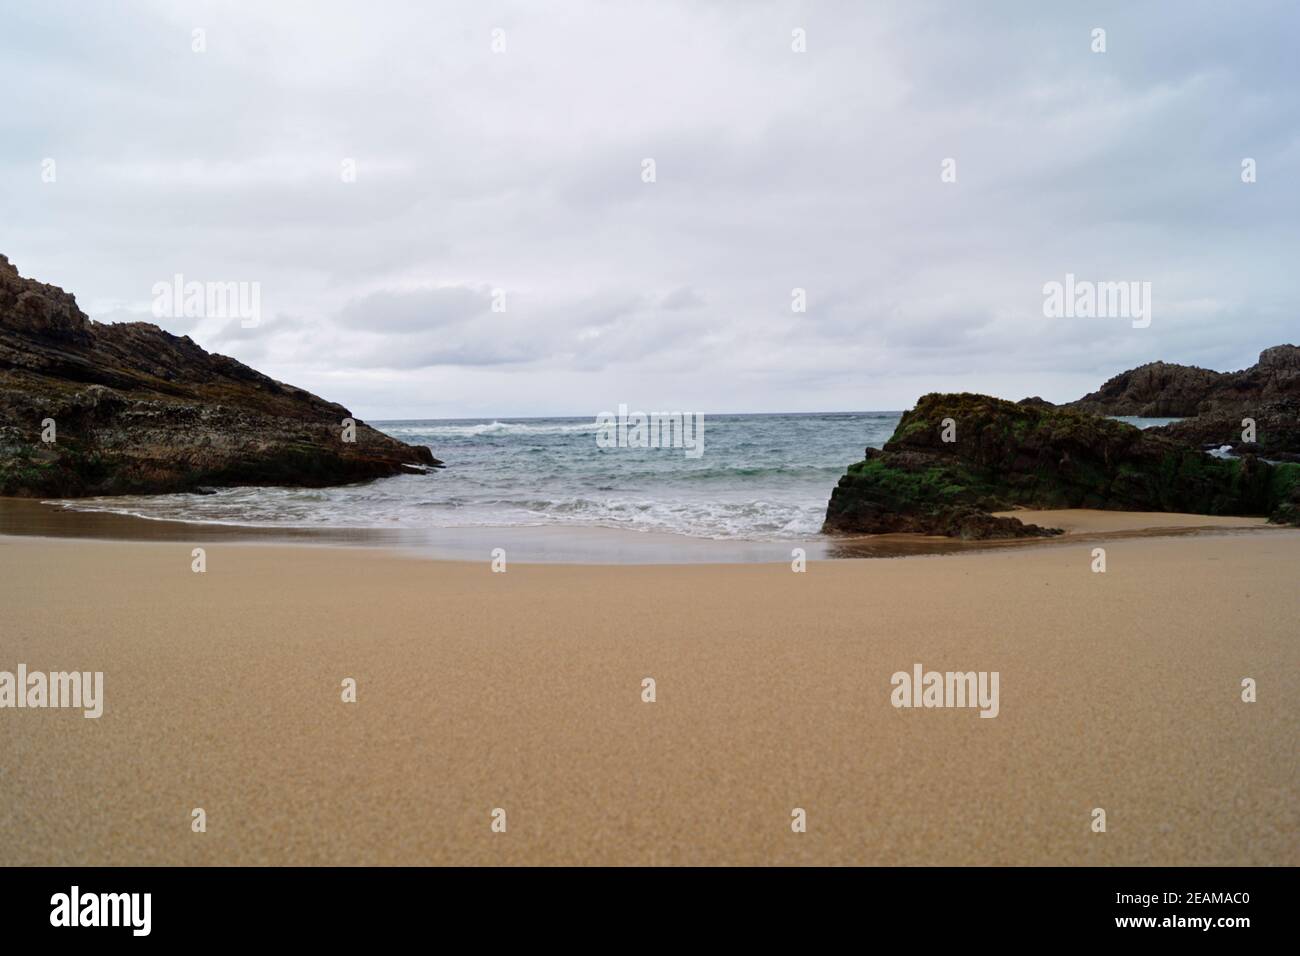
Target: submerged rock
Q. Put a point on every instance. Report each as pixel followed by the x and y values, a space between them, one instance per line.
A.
pixel 1004 455
pixel 135 409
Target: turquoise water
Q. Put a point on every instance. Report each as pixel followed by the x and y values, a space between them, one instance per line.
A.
pixel 760 478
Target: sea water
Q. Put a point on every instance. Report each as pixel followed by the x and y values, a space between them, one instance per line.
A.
pixel 762 477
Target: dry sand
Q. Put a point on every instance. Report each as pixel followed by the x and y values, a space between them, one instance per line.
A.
pixel 523 691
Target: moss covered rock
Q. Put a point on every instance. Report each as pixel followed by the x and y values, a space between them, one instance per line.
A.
pixel 956 457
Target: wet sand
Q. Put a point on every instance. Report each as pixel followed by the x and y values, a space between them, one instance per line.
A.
pixel 523 691
pixel 1089 521
pixel 592 545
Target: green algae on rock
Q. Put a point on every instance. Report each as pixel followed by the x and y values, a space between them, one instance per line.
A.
pixel 956 457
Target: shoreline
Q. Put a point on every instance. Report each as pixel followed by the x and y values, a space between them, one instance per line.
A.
pixel 523 691
pixel 594 545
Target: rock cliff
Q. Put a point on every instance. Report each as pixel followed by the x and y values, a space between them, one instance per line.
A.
pixel 135 409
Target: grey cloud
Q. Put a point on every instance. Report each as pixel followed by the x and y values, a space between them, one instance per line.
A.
pixel 775 170
pixel 416 310
pixel 683 298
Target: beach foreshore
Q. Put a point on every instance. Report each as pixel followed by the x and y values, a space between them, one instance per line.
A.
pixel 584 544
pixel 523 691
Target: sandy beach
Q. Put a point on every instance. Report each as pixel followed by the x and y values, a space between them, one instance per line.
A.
pixel 523 691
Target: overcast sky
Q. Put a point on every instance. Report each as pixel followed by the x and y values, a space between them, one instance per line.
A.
pixel 522 170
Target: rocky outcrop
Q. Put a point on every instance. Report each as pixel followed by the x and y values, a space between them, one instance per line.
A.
pixel 1214 404
pixel 1276 430
pixel 1154 390
pixel 135 409
pixel 1004 455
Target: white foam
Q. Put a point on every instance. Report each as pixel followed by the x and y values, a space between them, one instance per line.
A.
pixel 489 428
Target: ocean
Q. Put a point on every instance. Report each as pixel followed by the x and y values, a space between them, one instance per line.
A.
pixel 762 477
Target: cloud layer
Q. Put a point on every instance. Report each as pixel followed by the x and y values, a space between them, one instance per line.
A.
pixel 499 252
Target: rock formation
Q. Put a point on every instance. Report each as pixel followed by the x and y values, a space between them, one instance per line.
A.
pixel 1006 455
pixel 1214 404
pixel 135 409
pixel 1277 430
pixel 1154 390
